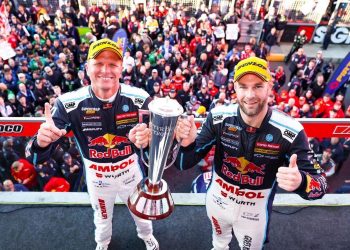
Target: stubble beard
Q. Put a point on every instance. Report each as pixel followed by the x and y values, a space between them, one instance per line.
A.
pixel 250 112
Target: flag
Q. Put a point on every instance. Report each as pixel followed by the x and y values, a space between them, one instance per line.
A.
pixel 340 76
pixel 5 28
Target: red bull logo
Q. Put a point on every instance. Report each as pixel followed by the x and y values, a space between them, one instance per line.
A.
pixel 312 184
pixel 239 192
pixel 108 140
pixel 242 178
pixel 110 153
pixel 112 168
pixel 244 166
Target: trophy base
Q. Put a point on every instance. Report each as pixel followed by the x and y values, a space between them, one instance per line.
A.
pixel 151 201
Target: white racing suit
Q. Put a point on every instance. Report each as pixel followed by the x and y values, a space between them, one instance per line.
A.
pixel 246 161
pixel 111 164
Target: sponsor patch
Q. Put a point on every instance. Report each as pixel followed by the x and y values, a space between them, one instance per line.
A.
pixel 126 115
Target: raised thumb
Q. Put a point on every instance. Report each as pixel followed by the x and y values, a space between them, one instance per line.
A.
pixel 293 161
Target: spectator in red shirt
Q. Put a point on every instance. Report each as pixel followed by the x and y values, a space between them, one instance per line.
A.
pixel 167 85
pixel 178 79
pixel 57 184
pixel 24 173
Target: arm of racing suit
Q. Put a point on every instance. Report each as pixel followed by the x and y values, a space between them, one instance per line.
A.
pixel 314 184
pixel 36 154
pixel 189 156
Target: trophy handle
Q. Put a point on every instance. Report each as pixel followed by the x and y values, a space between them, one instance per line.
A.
pixel 178 144
pixel 143 112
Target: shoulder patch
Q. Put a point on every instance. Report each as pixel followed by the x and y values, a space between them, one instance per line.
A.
pixel 137 95
pixel 221 112
pixel 288 126
pixel 72 99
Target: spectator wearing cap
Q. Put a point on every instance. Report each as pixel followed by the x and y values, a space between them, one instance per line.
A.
pixel 46 171
pixel 158 43
pixel 24 173
pixel 22 78
pixel 156 91
pixel 13 104
pixel 203 96
pixel 335 144
pixel 152 79
pixel 173 95
pixel 9 186
pixel 327 163
pixel 72 171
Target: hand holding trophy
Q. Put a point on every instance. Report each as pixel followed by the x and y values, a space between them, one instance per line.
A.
pixel 151 199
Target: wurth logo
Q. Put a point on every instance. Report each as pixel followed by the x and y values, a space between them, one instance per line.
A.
pixel 341 130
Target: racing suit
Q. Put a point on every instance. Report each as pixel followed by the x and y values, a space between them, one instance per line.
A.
pixel 110 162
pixel 246 161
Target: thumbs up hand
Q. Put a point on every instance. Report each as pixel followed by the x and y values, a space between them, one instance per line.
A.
pixel 48 132
pixel 289 178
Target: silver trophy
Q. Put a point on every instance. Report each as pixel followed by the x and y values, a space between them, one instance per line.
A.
pixel 151 199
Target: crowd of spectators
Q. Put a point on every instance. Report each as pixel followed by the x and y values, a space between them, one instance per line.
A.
pixel 170 52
